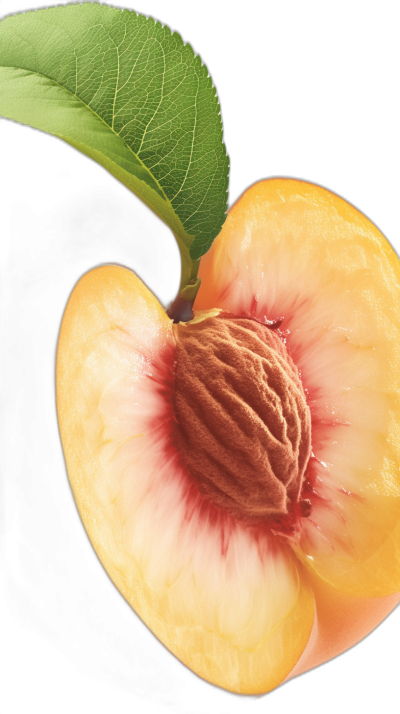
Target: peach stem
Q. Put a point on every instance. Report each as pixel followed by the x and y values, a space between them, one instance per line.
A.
pixel 181 309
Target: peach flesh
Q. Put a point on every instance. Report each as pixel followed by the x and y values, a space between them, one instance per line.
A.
pixel 172 553
pixel 238 604
pixel 294 249
pixel 242 422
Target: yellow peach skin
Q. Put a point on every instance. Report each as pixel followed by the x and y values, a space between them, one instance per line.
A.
pixel 246 612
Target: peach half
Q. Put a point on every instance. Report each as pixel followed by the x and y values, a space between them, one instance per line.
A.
pixel 239 475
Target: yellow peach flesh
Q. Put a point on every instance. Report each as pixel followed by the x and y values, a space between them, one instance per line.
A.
pixel 290 249
pixel 238 611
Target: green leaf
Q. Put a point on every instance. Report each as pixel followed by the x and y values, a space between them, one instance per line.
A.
pixel 131 95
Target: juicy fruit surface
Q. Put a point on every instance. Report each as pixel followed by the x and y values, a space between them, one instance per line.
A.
pixel 242 421
pixel 173 557
pixel 293 250
pixel 240 605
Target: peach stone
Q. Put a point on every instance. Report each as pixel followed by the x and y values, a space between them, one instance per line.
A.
pixel 242 421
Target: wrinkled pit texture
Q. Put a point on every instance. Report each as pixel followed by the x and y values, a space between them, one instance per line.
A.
pixel 243 425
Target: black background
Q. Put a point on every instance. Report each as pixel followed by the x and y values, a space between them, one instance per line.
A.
pixel 304 95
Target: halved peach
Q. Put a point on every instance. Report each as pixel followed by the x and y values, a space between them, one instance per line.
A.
pixel 246 603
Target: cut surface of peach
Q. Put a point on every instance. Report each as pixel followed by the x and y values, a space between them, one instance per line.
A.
pixel 244 605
